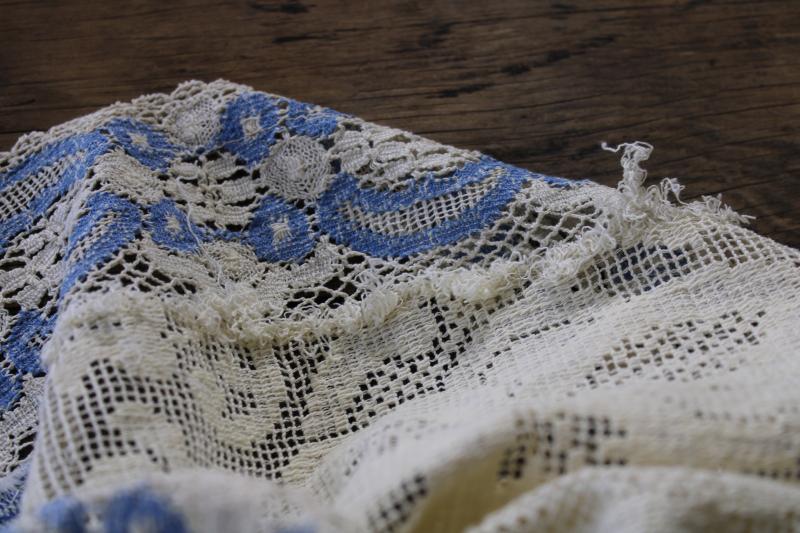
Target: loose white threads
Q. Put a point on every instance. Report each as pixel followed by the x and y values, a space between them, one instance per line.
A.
pixel 628 217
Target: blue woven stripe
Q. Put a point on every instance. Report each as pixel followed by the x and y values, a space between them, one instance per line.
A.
pixel 345 190
pixel 261 236
pixel 253 148
pixel 158 151
pixel 91 145
pixel 127 220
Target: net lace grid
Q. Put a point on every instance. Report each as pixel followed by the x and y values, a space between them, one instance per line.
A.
pixel 222 309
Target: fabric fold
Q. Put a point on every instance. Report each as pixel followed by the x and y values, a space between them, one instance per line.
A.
pixel 222 309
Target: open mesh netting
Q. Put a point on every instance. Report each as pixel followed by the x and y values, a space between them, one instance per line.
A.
pixel 224 310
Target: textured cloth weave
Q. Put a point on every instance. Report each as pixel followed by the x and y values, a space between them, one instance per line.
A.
pixel 224 310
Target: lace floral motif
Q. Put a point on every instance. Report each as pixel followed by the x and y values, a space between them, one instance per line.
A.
pixel 314 272
pixel 237 178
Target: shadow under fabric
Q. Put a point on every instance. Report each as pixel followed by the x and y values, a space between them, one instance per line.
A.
pixel 225 310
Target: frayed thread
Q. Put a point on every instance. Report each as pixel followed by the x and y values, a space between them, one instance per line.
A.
pixel 626 216
pixel 653 203
pixel 631 214
pixel 240 312
pixel 238 315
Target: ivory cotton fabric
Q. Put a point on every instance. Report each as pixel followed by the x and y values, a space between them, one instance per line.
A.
pixel 224 310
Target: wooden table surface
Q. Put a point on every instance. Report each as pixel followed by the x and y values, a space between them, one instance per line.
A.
pixel 714 85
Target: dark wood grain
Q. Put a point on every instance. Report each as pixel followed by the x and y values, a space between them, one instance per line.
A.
pixel 715 86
